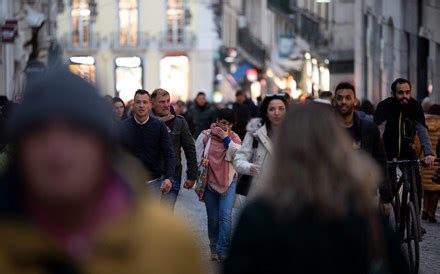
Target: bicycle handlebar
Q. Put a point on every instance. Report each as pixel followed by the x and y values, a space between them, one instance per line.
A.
pixel 415 161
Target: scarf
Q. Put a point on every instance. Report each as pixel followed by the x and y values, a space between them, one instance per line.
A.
pixel 219 169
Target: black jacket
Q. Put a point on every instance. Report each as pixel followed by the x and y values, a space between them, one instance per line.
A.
pixel 150 143
pixel 306 243
pixel 181 138
pixel 368 137
pixel 400 125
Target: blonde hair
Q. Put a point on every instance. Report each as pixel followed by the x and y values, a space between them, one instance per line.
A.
pixel 315 166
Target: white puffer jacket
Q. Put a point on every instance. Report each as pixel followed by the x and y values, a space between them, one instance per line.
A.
pixel 247 155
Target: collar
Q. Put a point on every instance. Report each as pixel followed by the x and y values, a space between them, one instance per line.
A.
pixel 139 123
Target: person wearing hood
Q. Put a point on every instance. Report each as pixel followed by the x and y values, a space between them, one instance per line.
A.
pixel 256 150
pixel 203 113
pixel 70 202
pixel 180 138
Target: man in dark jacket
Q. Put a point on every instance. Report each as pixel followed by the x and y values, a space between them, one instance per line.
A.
pixel 366 136
pixel 244 110
pixel 180 138
pixel 203 113
pixel 148 139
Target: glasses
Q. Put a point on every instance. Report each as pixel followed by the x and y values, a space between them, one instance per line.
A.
pixel 281 94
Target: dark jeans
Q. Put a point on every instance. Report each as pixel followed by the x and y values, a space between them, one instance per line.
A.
pixel 171 197
pixel 219 211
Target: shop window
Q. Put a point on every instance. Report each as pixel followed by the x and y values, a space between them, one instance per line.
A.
pixel 128 75
pixel 84 66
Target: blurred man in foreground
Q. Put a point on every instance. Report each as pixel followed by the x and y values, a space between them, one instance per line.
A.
pixel 64 207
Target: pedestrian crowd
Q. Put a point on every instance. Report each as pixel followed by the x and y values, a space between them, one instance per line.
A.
pixel 89 184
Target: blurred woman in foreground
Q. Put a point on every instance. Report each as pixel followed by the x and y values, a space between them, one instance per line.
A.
pixel 316 212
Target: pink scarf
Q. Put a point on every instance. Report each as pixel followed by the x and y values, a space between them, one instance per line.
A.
pixel 218 172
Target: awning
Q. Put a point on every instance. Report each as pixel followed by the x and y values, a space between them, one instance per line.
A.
pixel 289 65
pixel 240 73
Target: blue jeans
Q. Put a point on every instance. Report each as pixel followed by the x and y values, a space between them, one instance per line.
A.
pixel 219 211
pixel 171 197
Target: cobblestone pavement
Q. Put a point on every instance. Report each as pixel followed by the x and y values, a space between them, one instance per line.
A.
pixel 430 248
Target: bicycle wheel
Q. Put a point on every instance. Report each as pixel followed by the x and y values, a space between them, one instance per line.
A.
pixel 412 237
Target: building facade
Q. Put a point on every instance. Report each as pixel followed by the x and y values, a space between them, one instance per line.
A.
pixel 27 43
pixel 398 38
pixel 124 45
pixel 298 46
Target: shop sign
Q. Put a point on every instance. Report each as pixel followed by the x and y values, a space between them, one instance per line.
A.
pixel 9 31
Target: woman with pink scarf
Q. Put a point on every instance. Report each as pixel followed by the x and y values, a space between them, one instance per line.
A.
pixel 219 195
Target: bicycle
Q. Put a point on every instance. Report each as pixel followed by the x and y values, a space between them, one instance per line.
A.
pixel 406 209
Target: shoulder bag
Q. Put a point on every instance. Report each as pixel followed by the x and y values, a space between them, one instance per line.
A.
pixel 203 172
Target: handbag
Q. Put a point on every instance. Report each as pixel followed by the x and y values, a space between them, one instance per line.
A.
pixel 244 181
pixel 201 181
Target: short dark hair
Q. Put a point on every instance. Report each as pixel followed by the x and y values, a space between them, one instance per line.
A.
pixel 200 93
pixel 345 85
pixel 226 114
pixel 142 92
pixel 239 93
pixel 159 91
pixel 399 81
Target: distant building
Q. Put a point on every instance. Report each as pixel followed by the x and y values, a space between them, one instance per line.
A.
pixel 397 38
pixel 124 45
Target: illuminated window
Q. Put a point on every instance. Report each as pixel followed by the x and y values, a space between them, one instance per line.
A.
pixel 175 21
pixel 84 66
pixel 128 22
pixel 174 76
pixel 128 76
pixel 80 18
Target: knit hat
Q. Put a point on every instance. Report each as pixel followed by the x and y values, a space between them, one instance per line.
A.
pixel 62 96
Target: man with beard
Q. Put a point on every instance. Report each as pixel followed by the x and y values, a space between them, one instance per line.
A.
pixel 180 138
pixel 403 117
pixel 366 136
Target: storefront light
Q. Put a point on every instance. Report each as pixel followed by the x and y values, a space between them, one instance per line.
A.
pixel 85 60
pixel 255 90
pixel 217 97
pixel 314 61
pixel 307 56
pixel 269 73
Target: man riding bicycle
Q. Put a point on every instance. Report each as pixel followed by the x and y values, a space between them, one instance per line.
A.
pixel 403 117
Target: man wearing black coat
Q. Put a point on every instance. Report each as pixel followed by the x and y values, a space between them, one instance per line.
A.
pixel 244 110
pixel 366 136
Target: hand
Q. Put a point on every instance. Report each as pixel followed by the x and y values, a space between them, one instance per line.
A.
pixel 429 160
pixel 166 186
pixel 220 132
pixel 189 184
pixel 255 170
pixel 387 207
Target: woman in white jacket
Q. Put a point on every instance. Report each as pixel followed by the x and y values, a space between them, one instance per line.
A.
pixel 255 153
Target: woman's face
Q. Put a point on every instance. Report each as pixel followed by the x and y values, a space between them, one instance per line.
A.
pixel 224 125
pixel 119 109
pixel 276 111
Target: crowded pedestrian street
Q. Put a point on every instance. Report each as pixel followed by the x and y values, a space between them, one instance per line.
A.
pixel 219 136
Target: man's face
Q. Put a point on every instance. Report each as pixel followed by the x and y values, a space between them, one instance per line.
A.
pixel 61 163
pixel 179 108
pixel 141 105
pixel 162 105
pixel 345 101
pixel 403 93
pixel 201 100
pixel 240 99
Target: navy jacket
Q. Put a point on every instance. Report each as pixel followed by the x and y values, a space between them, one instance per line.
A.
pixel 150 143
